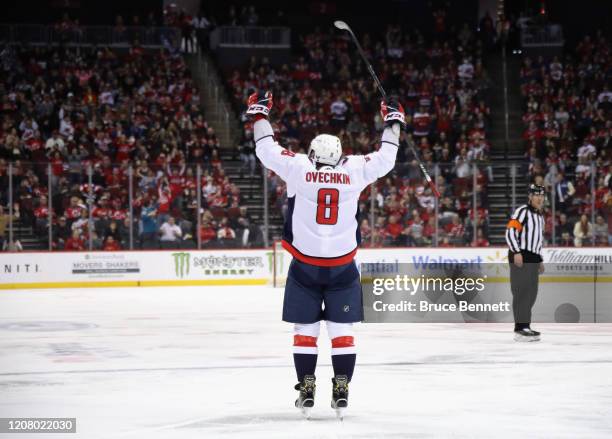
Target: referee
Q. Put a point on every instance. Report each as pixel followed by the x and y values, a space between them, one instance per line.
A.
pixel 524 235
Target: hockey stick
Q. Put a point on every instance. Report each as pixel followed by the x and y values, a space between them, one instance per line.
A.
pixel 343 26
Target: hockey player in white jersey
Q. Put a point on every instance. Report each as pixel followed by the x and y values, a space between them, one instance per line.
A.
pixel 322 234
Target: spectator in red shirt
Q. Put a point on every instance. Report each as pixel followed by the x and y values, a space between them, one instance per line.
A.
pixel 41 213
pixel 57 167
pixel 226 235
pixel 75 242
pixel 480 241
pixel 532 132
pixel 207 233
pixel 456 231
pixel 124 148
pixel 421 122
pixel 111 245
pixel 176 180
pixel 73 212
pixel 164 202
pixel 393 230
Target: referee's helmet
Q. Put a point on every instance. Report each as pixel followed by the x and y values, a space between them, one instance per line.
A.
pixel 536 189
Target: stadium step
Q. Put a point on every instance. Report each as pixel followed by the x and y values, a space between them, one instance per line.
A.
pixel 252 191
pixel 27 238
pixel 499 190
pixel 215 104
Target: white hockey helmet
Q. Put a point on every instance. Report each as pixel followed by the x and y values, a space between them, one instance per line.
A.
pixel 325 149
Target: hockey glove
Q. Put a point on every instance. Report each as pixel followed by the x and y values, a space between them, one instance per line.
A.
pixel 392 112
pixel 259 105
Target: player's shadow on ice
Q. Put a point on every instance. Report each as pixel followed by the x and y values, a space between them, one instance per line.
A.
pixel 255 419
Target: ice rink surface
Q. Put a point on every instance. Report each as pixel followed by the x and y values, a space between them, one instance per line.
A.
pixel 215 362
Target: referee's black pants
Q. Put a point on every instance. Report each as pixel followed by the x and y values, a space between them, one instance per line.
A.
pixel 524 286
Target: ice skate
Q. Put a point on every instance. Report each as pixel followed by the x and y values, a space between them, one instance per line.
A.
pixel 526 335
pixel 305 400
pixel 339 395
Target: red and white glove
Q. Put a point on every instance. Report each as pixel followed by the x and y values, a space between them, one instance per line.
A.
pixel 259 105
pixel 392 112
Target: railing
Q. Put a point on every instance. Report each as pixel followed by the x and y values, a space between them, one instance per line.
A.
pixel 92 197
pixel 112 36
pixel 75 197
pixel 542 35
pixel 251 37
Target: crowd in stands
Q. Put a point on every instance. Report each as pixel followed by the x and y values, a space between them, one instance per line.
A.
pixel 568 139
pixel 442 85
pixel 69 117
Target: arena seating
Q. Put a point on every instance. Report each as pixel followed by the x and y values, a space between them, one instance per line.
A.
pixel 67 111
pixel 568 128
pixel 107 110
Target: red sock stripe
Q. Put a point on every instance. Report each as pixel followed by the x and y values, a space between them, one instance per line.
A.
pixel 304 341
pixel 343 342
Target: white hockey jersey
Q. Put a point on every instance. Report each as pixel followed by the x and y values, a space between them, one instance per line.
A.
pixel 321 225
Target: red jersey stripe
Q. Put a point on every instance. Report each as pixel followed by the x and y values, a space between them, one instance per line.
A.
pixel 320 262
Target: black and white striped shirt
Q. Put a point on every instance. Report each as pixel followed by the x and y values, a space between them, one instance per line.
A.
pixel 525 230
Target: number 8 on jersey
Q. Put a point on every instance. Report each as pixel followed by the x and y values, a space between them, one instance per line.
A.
pixel 327 206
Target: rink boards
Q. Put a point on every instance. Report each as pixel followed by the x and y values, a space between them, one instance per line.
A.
pixel 576 286
pixel 253 267
pixel 134 268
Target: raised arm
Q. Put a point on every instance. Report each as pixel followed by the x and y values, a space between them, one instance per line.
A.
pixel 380 163
pixel 272 155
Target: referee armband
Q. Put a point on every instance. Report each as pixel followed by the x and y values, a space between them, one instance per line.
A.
pixel 524 231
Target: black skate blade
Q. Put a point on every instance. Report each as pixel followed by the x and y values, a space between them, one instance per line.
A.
pixel 526 338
